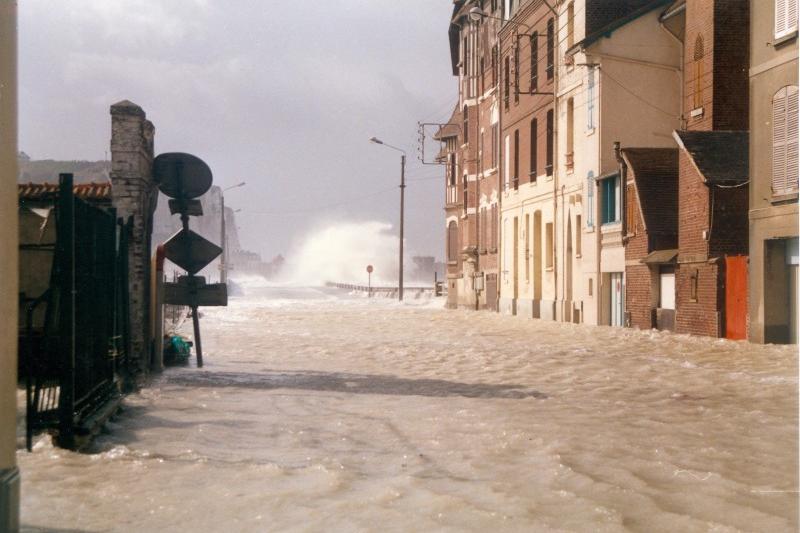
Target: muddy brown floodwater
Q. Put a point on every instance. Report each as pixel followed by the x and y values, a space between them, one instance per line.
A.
pixel 325 412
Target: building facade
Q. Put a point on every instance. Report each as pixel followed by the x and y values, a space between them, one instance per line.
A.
pixel 527 141
pixel 711 275
pixel 619 83
pixel 472 233
pixel 773 171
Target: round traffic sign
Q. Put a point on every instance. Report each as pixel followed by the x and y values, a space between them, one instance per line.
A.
pixel 369 269
pixel 181 175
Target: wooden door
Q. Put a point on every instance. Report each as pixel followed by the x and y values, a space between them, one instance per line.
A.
pixel 736 297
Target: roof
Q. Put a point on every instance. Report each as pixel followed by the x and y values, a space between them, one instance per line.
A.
pixel 97 192
pixel 655 173
pixel 721 157
pixel 451 129
pixel 633 9
pixel 453 34
pixel 660 257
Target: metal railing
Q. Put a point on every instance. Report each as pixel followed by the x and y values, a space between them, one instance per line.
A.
pixel 75 358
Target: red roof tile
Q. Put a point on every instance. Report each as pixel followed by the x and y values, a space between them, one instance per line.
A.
pixel 97 192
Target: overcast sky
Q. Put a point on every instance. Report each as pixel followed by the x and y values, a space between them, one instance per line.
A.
pixel 282 95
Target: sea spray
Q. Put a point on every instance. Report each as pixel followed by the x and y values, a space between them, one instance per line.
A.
pixel 341 252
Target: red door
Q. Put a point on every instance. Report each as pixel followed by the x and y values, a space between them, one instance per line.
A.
pixel 736 297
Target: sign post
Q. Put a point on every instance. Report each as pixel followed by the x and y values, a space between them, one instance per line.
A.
pixel 369 281
pixel 184 177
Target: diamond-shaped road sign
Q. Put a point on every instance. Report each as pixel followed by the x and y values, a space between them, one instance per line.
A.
pixel 190 251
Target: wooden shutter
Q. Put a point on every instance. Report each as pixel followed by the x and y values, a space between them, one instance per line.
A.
pixel 785 140
pixel 785 17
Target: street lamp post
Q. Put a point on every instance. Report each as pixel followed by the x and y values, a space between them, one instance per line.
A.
pixel 223 271
pixel 402 208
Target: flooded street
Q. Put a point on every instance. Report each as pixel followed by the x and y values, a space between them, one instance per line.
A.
pixel 322 412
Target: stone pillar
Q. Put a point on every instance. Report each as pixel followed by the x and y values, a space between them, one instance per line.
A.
pixel 134 195
pixel 9 272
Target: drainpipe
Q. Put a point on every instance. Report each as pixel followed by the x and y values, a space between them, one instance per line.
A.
pixel 623 184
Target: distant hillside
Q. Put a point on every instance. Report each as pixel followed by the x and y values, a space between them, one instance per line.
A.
pixel 47 170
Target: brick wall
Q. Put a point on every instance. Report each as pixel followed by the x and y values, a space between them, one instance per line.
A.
pixel 698 316
pixel 731 64
pixel 693 201
pixel 730 230
pixel 134 195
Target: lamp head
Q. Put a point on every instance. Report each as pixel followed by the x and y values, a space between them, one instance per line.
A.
pixel 376 140
pixel 476 14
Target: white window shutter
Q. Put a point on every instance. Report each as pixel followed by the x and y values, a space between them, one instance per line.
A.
pixel 779 142
pixel 791 138
pixel 780 18
pixel 785 140
pixel 791 16
pixel 785 17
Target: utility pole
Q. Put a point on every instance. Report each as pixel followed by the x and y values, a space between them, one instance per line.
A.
pixel 223 275
pixel 402 208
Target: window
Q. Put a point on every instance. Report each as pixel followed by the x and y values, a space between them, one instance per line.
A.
pixel 534 61
pixel 699 69
pixel 452 158
pixel 534 142
pixel 784 140
pixel 507 163
pixel 516 73
pixel 550 143
pixel 590 185
pixel 578 232
pixel 693 287
pixel 480 77
pixel 516 159
pixel 466 125
pixel 570 133
pixel 590 99
pixel 466 195
pixel 609 200
pixel 785 18
pixel 548 243
pixel 494 66
pixel 570 24
pixel 452 242
pixel 551 48
pixel 481 152
pixel 506 81
pixel 527 231
pixel 494 227
pixel 483 232
pixel 495 144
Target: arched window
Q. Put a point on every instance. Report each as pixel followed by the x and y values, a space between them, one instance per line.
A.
pixel 784 140
pixel 466 125
pixel 452 241
pixel 699 71
pixel 551 48
pixel 570 133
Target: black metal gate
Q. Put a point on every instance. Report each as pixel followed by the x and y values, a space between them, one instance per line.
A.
pixel 75 360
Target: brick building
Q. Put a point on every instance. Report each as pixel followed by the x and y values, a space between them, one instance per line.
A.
pixel 473 155
pixel 711 274
pixel 651 242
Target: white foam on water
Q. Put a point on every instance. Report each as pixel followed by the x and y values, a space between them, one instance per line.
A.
pixel 321 411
